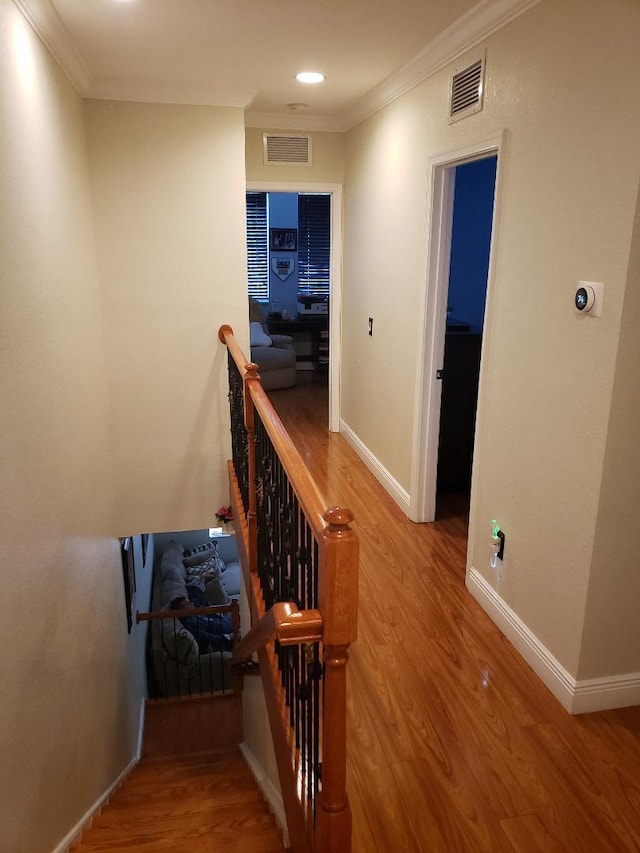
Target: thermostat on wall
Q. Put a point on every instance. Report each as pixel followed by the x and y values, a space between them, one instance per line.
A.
pixel 588 298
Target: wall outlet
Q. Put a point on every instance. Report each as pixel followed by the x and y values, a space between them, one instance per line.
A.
pixel 496 550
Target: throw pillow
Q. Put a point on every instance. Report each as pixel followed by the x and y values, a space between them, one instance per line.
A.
pixel 199 575
pixel 258 336
pixel 231 580
pixel 215 563
pixel 195 556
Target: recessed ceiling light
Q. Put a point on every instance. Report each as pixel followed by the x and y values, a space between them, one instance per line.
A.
pixel 309 77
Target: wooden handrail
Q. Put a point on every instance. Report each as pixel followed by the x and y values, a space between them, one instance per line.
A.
pixel 331 628
pixel 293 464
pixel 225 336
pixel 186 611
pixel 284 621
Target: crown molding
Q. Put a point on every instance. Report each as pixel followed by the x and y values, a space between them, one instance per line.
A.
pixel 293 121
pixel 116 90
pixel 46 23
pixel 477 24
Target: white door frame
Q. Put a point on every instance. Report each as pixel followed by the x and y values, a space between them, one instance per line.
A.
pixel 335 302
pixel 433 311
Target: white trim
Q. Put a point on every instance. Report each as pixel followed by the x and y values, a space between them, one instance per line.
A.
pixel 431 334
pixel 477 24
pixel 73 836
pixel 386 480
pixel 432 314
pixel 46 23
pixel 271 794
pixel 577 697
pixel 294 121
pixel 335 301
pixel 141 719
pixel 602 694
pixel 135 92
pixel 473 27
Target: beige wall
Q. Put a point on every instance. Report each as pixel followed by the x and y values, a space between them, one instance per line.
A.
pixel 71 691
pixel 612 625
pixel 327 161
pixel 168 191
pixel 570 172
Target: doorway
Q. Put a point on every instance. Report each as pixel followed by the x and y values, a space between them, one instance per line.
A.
pixel 334 191
pixel 474 185
pixel 458 276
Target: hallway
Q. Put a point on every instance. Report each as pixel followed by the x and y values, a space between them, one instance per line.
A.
pixel 454 743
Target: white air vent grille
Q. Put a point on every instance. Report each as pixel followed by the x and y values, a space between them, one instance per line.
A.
pixel 282 149
pixel 467 90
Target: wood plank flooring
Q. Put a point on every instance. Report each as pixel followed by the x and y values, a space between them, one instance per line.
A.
pixel 205 803
pixel 454 743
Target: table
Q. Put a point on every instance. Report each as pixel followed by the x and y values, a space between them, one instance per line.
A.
pixel 301 328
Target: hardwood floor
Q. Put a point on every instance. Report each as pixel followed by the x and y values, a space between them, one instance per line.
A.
pixel 454 743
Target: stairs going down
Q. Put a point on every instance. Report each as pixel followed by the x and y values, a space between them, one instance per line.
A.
pixel 207 803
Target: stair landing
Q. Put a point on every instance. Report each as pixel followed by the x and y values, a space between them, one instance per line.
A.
pixel 205 803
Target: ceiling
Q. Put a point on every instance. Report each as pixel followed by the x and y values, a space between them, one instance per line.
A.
pixel 245 53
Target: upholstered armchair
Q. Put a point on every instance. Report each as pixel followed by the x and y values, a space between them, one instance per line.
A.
pixel 274 354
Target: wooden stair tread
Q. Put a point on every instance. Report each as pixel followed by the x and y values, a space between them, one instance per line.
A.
pixel 216 790
pixel 201 808
pixel 220 823
pixel 266 843
pixel 206 803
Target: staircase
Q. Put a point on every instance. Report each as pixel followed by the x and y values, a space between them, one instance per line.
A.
pixel 205 803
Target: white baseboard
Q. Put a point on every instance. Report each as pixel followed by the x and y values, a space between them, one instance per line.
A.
pixel 602 694
pixel 399 494
pixel 577 697
pixel 85 821
pixel 269 791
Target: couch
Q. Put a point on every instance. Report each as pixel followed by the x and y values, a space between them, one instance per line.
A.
pixel 181 667
pixel 274 354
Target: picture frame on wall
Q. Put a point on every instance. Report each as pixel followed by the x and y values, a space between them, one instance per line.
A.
pixel 283 239
pixel 129 577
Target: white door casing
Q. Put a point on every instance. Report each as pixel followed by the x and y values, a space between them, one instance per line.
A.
pixel 432 314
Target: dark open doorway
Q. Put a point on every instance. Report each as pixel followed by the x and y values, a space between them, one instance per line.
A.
pixel 468 273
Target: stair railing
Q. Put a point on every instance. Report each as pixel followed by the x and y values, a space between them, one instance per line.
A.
pixel 300 566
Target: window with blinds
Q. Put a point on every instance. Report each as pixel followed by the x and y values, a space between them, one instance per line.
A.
pixel 314 249
pixel 257 246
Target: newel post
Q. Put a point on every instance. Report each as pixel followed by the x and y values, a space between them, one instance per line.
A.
pixel 338 602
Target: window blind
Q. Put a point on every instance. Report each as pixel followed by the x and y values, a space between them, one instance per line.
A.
pixel 314 247
pixel 257 246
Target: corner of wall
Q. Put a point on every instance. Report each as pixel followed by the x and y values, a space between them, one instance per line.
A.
pixel 576 697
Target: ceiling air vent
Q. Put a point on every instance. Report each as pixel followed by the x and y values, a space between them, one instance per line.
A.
pixel 284 149
pixel 467 90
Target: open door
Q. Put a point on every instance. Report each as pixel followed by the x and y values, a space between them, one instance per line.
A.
pixel 334 191
pixel 427 422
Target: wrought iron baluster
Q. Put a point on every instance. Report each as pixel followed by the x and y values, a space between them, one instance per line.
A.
pixel 239 440
pixel 288 560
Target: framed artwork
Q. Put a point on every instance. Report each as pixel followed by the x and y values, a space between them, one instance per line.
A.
pixel 283 239
pixel 129 577
pixel 145 543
